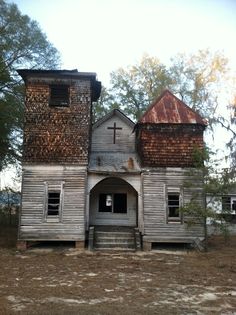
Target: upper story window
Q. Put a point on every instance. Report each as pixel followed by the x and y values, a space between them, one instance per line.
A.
pixel 59 95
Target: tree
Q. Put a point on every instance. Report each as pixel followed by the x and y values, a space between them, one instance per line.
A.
pixel 9 206
pixel 104 104
pixel 134 88
pixel 196 78
pixel 199 80
pixel 215 183
pixel 231 127
pixel 22 45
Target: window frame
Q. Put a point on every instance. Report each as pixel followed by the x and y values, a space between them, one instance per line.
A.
pixel 113 206
pixel 50 205
pixel 53 188
pixel 174 219
pixel 231 202
pixel 59 99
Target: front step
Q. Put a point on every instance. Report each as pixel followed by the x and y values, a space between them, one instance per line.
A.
pixel 114 238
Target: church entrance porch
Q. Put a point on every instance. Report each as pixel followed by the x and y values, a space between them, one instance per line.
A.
pixel 113 201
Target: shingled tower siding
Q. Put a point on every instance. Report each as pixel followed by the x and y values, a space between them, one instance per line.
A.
pixel 57 134
pixel 169 145
pixel 56 147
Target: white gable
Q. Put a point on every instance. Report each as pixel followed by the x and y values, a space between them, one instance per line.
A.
pixel 113 145
pixel 114 134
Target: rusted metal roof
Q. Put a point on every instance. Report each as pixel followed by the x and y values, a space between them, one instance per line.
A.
pixel 168 109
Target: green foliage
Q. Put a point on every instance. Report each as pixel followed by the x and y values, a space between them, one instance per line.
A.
pixel 22 45
pixel 9 206
pixel 134 88
pixel 104 105
pixel 213 185
pixel 196 79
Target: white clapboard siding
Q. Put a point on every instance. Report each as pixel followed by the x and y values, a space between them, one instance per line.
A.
pixel 155 185
pixel 33 221
pixel 102 138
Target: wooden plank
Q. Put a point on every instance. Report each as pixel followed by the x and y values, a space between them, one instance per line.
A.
pixel 32 224
pixel 155 187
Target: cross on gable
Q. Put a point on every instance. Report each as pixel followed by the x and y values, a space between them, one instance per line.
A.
pixel 114 128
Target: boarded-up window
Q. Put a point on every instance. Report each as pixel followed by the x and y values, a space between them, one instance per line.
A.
pixel 173 205
pixel 59 95
pixel 116 203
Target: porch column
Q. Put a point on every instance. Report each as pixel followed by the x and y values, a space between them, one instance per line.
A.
pixel 87 211
pixel 140 207
pixel 140 213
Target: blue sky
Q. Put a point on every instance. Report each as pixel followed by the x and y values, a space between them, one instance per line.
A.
pixel 102 35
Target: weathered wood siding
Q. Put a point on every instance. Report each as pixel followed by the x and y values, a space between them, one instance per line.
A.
pixel 155 187
pixel 52 134
pixel 113 185
pixel 71 226
pixel 102 138
pixel 168 145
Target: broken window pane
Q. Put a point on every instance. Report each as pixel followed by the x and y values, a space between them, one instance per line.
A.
pixel 103 206
pixel 53 203
pixel 173 207
pixel 117 203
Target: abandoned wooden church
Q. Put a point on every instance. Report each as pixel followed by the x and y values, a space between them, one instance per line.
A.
pixel 113 184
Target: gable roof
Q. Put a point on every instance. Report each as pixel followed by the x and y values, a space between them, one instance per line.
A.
pixel 168 109
pixel 114 112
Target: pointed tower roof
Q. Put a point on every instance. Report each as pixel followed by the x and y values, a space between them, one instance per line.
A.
pixel 168 109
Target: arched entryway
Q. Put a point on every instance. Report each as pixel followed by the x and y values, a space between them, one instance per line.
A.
pixel 113 201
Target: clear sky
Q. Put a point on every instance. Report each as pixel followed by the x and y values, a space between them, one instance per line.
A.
pixel 102 35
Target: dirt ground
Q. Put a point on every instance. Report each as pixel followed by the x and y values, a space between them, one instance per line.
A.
pixel 62 280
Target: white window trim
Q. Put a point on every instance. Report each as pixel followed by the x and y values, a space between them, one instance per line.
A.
pixel 53 187
pixel 175 191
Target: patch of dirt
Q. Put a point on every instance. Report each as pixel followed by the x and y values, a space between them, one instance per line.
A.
pixel 67 281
